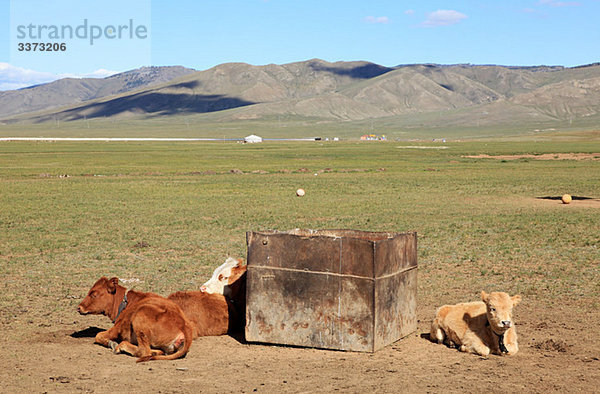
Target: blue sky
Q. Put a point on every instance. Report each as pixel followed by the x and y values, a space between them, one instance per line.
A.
pixel 201 34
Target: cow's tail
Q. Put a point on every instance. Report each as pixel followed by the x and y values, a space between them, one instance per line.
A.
pixel 182 351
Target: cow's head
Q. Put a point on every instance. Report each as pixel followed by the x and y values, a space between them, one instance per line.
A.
pixel 499 310
pixel 100 298
pixel 224 276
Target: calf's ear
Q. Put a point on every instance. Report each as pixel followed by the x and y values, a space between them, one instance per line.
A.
pixel 112 285
pixel 516 299
pixel 484 296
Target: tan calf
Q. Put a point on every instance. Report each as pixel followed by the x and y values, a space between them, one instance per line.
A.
pixel 480 327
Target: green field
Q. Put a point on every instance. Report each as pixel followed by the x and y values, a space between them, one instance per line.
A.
pixel 168 213
pixel 427 126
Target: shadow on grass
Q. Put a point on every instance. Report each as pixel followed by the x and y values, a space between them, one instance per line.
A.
pixel 559 198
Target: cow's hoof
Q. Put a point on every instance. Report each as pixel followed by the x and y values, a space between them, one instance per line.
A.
pixel 113 345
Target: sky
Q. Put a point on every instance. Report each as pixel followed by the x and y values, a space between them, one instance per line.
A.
pixel 120 35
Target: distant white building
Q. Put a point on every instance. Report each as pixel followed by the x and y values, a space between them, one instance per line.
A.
pixel 252 139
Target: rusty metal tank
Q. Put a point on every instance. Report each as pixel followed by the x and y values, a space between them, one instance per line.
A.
pixel 331 289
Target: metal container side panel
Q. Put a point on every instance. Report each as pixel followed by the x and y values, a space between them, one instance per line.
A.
pixel 395 307
pixel 340 233
pixel 309 309
pixel 346 256
pixel 395 254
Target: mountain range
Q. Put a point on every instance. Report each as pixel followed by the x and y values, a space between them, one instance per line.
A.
pixel 71 91
pixel 417 95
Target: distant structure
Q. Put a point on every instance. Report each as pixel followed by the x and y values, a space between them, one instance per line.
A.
pixel 252 139
pixel 373 137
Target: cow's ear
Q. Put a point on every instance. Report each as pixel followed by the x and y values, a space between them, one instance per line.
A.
pixel 516 299
pixel 112 285
pixel 485 296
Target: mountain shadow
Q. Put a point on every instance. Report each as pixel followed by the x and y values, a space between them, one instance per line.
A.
pixel 366 71
pixel 186 85
pixel 157 104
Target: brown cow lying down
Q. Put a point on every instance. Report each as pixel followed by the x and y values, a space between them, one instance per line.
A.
pixel 227 279
pixel 209 314
pixel 218 307
pixel 155 324
pixel 480 327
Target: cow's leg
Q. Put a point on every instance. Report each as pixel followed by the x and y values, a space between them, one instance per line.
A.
pixel 136 351
pixel 436 334
pixel 512 348
pixel 107 338
pixel 481 349
pixel 510 341
pixel 126 347
pixel 476 347
pixel 143 348
pixel 471 343
pixel 450 343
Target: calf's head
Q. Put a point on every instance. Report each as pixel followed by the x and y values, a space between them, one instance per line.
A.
pixel 499 307
pixel 100 298
pixel 224 276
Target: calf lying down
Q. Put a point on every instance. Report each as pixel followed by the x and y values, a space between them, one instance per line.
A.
pixel 219 307
pixel 228 279
pixel 147 325
pixel 160 326
pixel 480 327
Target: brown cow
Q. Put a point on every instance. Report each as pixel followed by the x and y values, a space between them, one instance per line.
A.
pixel 217 307
pixel 225 278
pixel 157 325
pixel 480 327
pixel 229 279
pixel 209 314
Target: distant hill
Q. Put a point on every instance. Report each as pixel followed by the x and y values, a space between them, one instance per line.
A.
pixel 70 91
pixel 426 95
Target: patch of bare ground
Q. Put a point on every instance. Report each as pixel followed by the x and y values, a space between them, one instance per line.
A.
pixel 554 345
pixel 558 353
pixel 545 156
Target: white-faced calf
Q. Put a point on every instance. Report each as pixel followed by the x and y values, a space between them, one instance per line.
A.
pixel 226 278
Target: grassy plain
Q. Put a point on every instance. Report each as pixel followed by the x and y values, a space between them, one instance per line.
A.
pixel 167 214
pixel 458 124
